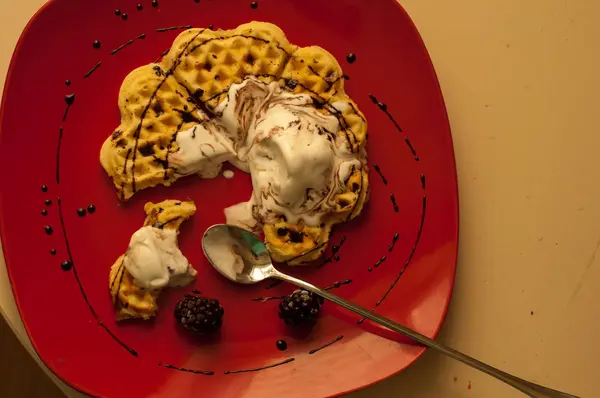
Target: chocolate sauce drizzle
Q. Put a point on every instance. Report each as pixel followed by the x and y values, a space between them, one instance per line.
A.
pixel 122 46
pixel 380 261
pixel 273 284
pixel 394 239
pixel 383 108
pixel 227 372
pixel 142 36
pixel 83 294
pixel 196 291
pixel 412 149
pixel 334 252
pixel 89 72
pixel 69 99
pixel 412 252
pixel 393 199
pixel 336 285
pixel 60 135
pixel 378 170
pixel 326 345
pixel 174 28
pixel 194 371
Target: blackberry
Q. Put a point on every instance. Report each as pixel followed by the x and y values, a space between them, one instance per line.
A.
pixel 199 314
pixel 300 307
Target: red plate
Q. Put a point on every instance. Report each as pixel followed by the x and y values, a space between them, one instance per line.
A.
pixel 68 314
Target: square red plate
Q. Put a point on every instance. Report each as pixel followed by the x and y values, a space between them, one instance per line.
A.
pixel 409 227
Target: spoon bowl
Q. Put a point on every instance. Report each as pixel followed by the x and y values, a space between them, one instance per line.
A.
pixel 237 254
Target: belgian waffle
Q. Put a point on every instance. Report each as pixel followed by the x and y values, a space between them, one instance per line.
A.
pixel 131 301
pixel 193 78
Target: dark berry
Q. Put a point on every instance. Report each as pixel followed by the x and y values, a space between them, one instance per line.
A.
pixel 199 314
pixel 300 307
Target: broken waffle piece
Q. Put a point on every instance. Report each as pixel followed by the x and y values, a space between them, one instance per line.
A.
pixel 152 262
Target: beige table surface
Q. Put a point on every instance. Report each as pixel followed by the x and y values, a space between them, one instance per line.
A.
pixel 521 80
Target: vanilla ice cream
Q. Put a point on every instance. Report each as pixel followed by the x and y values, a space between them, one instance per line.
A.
pixel 155 261
pixel 297 158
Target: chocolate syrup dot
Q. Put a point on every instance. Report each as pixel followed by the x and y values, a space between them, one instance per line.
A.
pixel 139 7
pixel 91 209
pixel 211 27
pixel 291 83
pixel 67 82
pixel 117 12
pixel 96 44
pixel 154 3
pixel 336 258
pixel 44 212
pixel 254 5
pixel 48 230
pixel 66 265
pixel 196 1
pixel 124 17
pixel 53 252
pixel 70 98
pixel 44 188
pixel 281 345
pixel 47 202
pixel 81 212
pixel 296 236
pixel 351 58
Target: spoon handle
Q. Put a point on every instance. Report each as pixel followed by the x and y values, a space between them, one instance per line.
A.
pixel 531 389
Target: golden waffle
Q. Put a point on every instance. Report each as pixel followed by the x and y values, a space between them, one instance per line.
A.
pixel 153 109
pixel 131 301
pixel 198 71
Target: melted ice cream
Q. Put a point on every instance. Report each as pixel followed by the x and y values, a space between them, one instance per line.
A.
pixel 296 157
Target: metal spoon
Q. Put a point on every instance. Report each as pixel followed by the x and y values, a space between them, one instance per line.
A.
pixel 242 257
